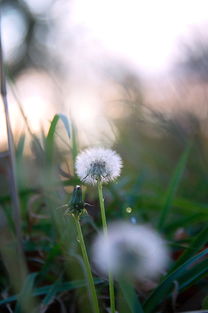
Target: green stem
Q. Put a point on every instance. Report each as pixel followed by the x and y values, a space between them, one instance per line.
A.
pixel 103 217
pixel 87 266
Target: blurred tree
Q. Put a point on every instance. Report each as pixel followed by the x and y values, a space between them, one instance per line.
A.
pixel 32 31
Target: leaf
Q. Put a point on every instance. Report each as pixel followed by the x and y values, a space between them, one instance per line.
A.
pixel 74 142
pixel 61 287
pixel 51 134
pixel 197 243
pixel 54 122
pixel 20 147
pixel 131 297
pixel 164 288
pixel 173 186
pixel 53 252
pixel 194 274
pixel 186 221
pixel 24 302
pixel 190 206
pixel 51 295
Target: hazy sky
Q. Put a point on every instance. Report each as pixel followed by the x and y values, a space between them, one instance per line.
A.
pixel 147 33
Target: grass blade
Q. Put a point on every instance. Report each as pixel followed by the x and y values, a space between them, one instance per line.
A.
pixel 51 134
pixel 24 301
pixel 60 287
pixel 197 243
pixel 131 297
pixel 12 161
pixel 20 148
pixel 173 186
pixel 164 288
pixel 194 274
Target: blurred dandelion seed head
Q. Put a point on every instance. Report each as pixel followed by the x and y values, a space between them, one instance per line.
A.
pixel 133 251
pixel 98 164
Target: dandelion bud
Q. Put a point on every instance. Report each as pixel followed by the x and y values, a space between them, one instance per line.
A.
pixel 98 165
pixel 76 205
pixel 130 251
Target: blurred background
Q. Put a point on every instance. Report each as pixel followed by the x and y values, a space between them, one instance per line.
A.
pixel 131 75
pixel 104 63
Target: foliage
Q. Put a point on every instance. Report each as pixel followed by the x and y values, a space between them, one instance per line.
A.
pixel 53 269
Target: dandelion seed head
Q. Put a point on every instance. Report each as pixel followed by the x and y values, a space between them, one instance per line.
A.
pixel 98 164
pixel 134 251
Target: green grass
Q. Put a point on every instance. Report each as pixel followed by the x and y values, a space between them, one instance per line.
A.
pixel 170 195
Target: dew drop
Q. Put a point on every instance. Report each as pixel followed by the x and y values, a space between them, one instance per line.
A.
pixel 128 210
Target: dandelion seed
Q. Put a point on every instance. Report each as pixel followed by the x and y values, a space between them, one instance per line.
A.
pixel 133 251
pixel 95 165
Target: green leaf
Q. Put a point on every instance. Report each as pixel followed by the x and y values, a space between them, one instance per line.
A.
pixel 51 134
pixel 173 186
pixel 53 252
pixel 20 147
pixel 186 221
pixel 194 274
pixel 24 302
pixel 166 285
pixel 60 287
pixel 131 297
pixel 190 206
pixel 198 242
pixel 74 142
pixel 51 295
pixel 54 122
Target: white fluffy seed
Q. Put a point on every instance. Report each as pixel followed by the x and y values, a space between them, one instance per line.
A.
pixel 134 251
pixel 98 164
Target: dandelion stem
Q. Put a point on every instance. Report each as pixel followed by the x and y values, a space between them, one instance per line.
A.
pixel 103 217
pixel 87 266
pixel 102 207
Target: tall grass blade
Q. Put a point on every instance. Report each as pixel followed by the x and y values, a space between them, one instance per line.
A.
pixel 173 186
pixel 12 170
pixel 51 133
pixel 20 148
pixel 159 294
pixel 194 274
pixel 74 142
pixel 197 243
pixel 60 287
pixel 131 297
pixel 25 303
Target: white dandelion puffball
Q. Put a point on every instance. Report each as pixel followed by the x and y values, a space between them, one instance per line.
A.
pixel 130 251
pixel 98 164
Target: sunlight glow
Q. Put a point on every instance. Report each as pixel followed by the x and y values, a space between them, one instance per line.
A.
pixel 144 32
pixel 37 102
pixel 85 113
